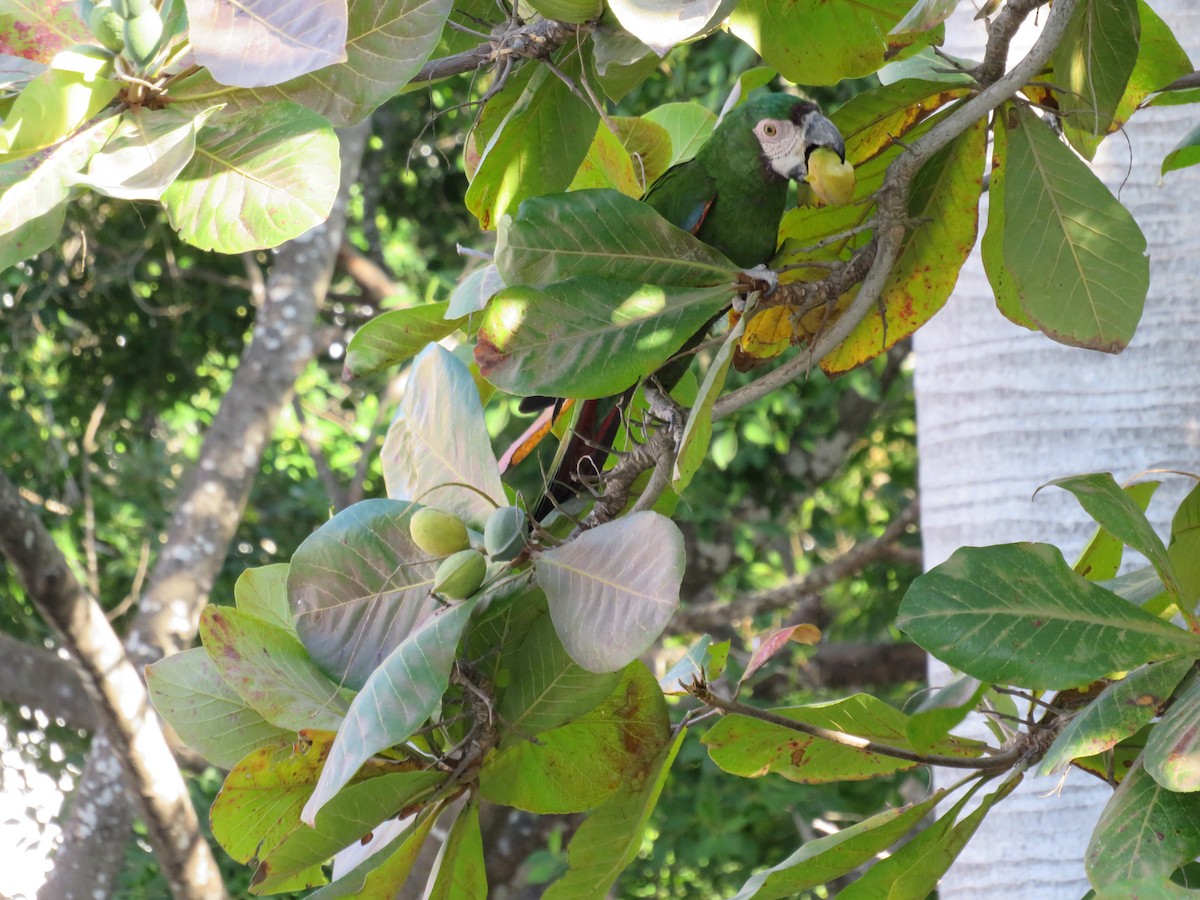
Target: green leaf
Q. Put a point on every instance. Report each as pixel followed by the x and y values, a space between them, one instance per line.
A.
pixel 382 873
pixel 816 42
pixel 396 336
pixel 1119 514
pixel 271 671
pixel 398 697
pixel 1148 888
pixel 34 192
pixel 1160 61
pixel 823 859
pixel 752 748
pixel 578 766
pixel 588 337
pixel 1184 549
pixel 872 121
pixel 946 194
pixel 1101 559
pixel 613 588
pixel 663 25
pixel 606 234
pixel 924 15
pixel 992 246
pixel 914 869
pixel 1018 614
pixel 387 42
pixel 270 45
pixel 943 710
pixel 1082 274
pixel 358 587
pixel 547 689
pixel 607 165
pixel 1173 750
pixel 1092 65
pixel 495 634
pixel 145 154
pixel 295 862
pixel 611 837
pixel 687 124
pixel 1120 710
pixel 258 178
pixel 207 714
pixel 1185 153
pixel 262 592
pixel 58 101
pixel 536 149
pixel 697 431
pixel 1145 831
pixel 438 450
pixel 459 866
pixel 473 292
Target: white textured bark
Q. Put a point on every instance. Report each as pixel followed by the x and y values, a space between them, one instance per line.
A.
pixel 1001 410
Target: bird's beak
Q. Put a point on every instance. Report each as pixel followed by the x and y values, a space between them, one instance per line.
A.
pixel 818 132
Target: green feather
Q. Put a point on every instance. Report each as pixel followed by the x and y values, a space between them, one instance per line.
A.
pixel 726 196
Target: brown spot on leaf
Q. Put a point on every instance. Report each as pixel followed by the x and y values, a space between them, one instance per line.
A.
pixel 488 356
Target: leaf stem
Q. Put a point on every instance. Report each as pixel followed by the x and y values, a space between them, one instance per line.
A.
pixel 1001 759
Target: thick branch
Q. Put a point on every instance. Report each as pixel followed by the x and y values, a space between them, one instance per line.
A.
pixel 208 510
pixel 41 679
pixel 122 704
pixel 535 41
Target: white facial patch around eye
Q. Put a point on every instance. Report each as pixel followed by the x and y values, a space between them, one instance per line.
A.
pixel 781 146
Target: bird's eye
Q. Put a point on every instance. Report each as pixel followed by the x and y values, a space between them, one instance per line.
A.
pixel 769 130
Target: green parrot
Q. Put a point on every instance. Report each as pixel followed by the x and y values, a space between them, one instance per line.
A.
pixel 731 195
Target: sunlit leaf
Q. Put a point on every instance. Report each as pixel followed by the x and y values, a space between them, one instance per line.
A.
pixel 258 178
pixel 358 586
pixel 438 451
pixel 271 671
pixel 396 336
pixel 1101 559
pixel 384 872
pixel 262 593
pixel 1018 614
pixel 687 124
pixel 266 42
pixel 207 714
pixel 661 24
pixel 613 589
pixel 398 697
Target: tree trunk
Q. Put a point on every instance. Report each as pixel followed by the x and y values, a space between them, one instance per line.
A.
pixel 1001 410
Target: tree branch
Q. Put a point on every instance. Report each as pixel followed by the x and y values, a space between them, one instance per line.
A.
pixel 41 679
pixel 712 616
pixel 1001 760
pixel 207 513
pixel 121 702
pixel 535 41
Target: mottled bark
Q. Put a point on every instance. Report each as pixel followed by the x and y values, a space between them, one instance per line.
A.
pixel 209 507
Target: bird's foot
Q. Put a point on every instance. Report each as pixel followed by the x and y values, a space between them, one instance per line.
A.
pixel 760 278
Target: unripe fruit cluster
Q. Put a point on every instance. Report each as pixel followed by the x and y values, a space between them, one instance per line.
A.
pixel 132 26
pixel 462 571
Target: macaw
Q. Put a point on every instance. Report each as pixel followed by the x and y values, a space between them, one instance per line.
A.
pixel 731 195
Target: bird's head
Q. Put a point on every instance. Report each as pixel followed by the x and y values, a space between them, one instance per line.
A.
pixel 788 130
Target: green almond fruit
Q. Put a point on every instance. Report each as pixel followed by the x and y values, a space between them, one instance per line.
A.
pixel 504 533
pixel 460 575
pixel 438 533
pixel 142 36
pixel 574 11
pixel 107 26
pixel 131 9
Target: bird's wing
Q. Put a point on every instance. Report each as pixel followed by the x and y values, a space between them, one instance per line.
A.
pixel 683 195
